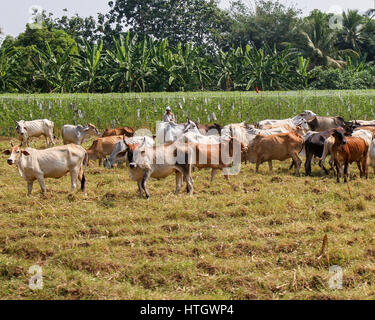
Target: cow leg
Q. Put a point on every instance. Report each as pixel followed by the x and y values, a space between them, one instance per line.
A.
pixel 29 187
pixel 309 156
pixel 47 142
pixel 100 161
pixel 359 165
pixel 258 163
pixel 270 165
pixel 292 165
pixel 213 174
pixel 298 163
pixel 52 139
pixel 346 166
pixel 42 184
pixel 74 173
pixel 338 171
pixel 144 181
pixel 140 188
pixel 179 181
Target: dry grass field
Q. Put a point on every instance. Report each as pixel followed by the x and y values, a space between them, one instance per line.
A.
pixel 259 238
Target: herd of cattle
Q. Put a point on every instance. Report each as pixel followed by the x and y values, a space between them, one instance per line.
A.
pixel 178 148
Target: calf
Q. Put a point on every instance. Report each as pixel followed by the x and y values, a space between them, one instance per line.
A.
pixel 347 150
pixel 102 147
pixel 277 147
pixel 35 128
pixel 159 162
pixel 55 163
pixel 122 131
pixel 78 134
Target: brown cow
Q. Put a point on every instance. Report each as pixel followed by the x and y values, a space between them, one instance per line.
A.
pixel 218 156
pixel 347 150
pixel 280 147
pixel 122 131
pixel 102 147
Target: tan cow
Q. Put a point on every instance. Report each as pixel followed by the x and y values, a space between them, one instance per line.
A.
pixel 218 156
pixel 102 147
pixel 55 163
pixel 280 147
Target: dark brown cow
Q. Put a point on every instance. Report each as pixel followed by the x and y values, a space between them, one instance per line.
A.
pixel 122 131
pixel 347 150
pixel 209 128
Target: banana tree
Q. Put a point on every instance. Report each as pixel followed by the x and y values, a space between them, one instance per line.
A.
pixel 11 75
pixel 57 71
pixel 89 67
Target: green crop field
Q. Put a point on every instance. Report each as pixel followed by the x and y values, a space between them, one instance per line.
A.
pixel 142 110
pixel 259 237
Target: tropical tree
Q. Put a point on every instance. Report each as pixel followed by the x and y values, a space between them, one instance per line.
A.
pixel 89 67
pixel 317 42
pixel 55 71
pixel 11 74
pixel 129 64
pixel 351 34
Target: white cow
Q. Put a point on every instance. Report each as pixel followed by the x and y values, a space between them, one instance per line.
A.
pixel 246 133
pixel 364 122
pixel 168 131
pixel 121 146
pixel 372 154
pixel 55 163
pixel 159 162
pixel 78 134
pixel 35 128
pixel 306 115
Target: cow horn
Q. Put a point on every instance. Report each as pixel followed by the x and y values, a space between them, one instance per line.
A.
pixel 11 143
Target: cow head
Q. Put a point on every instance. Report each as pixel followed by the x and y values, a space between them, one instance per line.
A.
pixel 307 115
pixel 21 128
pixel 190 125
pixel 303 123
pixel 299 130
pixel 15 153
pixel 91 130
pixel 339 137
pixel 135 154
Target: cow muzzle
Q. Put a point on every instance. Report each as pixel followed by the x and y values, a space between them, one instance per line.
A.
pixel 10 161
pixel 133 165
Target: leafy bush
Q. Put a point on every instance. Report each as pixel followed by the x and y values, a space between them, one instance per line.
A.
pixel 335 79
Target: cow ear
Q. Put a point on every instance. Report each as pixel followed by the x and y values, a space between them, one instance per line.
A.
pixel 24 152
pixel 7 152
pixel 122 153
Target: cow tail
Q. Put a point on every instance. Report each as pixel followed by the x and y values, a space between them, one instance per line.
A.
pixel 84 165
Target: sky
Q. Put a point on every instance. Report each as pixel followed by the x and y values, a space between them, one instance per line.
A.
pixel 15 14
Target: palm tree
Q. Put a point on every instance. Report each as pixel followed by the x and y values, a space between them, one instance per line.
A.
pixel 350 36
pixel 317 42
